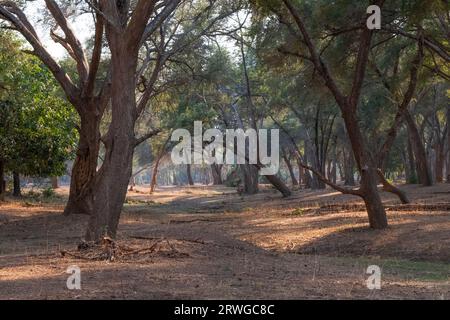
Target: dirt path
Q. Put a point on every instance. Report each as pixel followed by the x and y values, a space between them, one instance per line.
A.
pixel 210 243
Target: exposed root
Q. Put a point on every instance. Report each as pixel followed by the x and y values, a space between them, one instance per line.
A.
pixel 110 251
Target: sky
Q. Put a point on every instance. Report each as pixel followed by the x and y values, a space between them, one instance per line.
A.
pixel 83 28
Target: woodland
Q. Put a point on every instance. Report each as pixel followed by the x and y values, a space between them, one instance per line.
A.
pixel 91 92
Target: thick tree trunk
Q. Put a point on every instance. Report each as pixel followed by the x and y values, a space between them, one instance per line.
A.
pixel 216 174
pixel 113 177
pixel 368 172
pixel 291 171
pixel 16 183
pixel 2 180
pixel 423 169
pixel 84 169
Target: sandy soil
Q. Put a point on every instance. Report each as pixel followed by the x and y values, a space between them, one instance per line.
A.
pixel 208 242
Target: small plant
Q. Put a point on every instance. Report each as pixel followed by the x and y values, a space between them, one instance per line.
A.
pixel 48 193
pixel 298 212
pixel 33 194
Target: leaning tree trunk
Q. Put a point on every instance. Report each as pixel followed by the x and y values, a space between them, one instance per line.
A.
pixel 423 169
pixel 16 185
pixel 368 172
pixel 155 172
pixel 84 169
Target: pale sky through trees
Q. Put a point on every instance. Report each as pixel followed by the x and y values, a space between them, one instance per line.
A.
pixel 82 26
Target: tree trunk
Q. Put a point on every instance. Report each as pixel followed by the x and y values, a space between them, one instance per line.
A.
pixel 412 177
pixel 16 182
pixel 291 171
pixel 349 166
pixel 189 174
pixel 279 185
pixel 2 180
pixel 114 175
pixel 423 169
pixel 448 144
pixel 439 163
pixel 216 174
pixel 301 173
pixel 84 169
pixel 250 174
pixel 155 173
pixel 55 183
pixel 368 172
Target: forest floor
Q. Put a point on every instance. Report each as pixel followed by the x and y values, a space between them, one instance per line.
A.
pixel 210 243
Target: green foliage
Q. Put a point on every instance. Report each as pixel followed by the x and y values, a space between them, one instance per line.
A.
pixel 37 125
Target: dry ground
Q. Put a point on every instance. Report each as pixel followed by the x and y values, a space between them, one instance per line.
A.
pixel 208 242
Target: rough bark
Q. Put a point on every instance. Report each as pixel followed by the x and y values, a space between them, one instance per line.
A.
pixel 17 192
pixel 81 194
pixel 114 175
pixel 369 174
pixel 124 35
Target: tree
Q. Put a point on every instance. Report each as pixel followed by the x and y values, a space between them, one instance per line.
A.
pixel 38 126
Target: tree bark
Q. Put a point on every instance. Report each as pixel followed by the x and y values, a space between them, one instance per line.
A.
pixel 448 144
pixel 84 170
pixel 155 173
pixel 412 177
pixel 216 172
pixel 368 172
pixel 439 163
pixel 189 175
pixel 250 174
pixel 423 169
pixel 114 175
pixel 291 171
pixel 16 182
pixel 2 180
